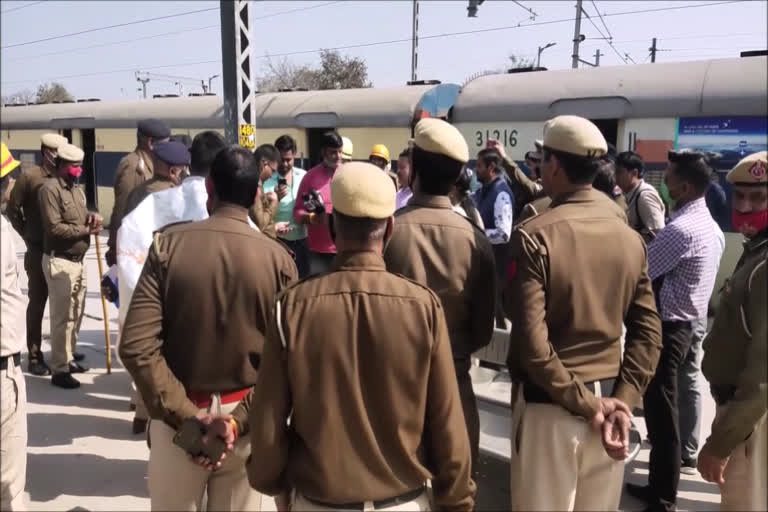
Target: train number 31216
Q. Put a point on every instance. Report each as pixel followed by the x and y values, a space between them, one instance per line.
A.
pixel 506 137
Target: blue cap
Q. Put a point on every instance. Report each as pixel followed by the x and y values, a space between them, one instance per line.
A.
pixel 154 128
pixel 171 152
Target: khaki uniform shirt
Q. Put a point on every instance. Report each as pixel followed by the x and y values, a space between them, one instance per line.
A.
pixel 580 272
pixel 142 190
pixel 262 214
pixel 134 168
pixel 531 190
pixel 199 312
pixel 736 349
pixel 441 249
pixel 23 208
pixel 13 303
pixel 360 359
pixel 63 213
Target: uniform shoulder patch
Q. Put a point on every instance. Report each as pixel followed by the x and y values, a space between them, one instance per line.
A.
pixel 172 224
pixel 418 284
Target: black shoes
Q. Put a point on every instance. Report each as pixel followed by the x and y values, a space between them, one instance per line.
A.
pixel 688 467
pixel 38 367
pixel 641 492
pixel 78 356
pixel 65 380
pixel 77 367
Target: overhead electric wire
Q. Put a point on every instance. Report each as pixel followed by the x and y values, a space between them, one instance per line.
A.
pixel 531 11
pixel 147 20
pixel 602 19
pixel 607 39
pixel 703 36
pixel 376 43
pixel 21 7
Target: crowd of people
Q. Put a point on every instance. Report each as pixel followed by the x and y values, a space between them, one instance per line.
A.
pixel 309 335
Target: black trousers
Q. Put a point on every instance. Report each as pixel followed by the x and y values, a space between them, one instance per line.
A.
pixel 38 296
pixel 300 255
pixel 662 416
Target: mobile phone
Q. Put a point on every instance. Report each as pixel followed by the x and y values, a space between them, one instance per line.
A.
pixel 282 181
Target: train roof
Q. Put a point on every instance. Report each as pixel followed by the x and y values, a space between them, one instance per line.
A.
pixel 681 89
pixel 384 107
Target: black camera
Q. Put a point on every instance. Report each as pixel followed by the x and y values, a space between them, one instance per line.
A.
pixel 313 201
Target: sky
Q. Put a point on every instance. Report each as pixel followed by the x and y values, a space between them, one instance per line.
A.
pixel 187 48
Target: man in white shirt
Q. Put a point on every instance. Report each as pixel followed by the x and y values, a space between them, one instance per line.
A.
pixel 13 433
pixel 645 209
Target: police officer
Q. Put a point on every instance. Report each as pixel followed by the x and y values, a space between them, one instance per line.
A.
pixel 13 418
pixel 23 211
pixel 262 212
pixel 735 455
pixel 568 296
pixel 170 161
pixel 193 336
pixel 434 246
pixel 67 230
pixel 135 168
pixel 374 411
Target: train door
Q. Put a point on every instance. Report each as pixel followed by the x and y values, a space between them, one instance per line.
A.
pixel 314 139
pixel 67 132
pixel 88 178
pixel 609 128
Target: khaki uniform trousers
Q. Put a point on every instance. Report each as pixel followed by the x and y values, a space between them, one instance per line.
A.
pixel 66 290
pixel 302 504
pixel 178 484
pixel 558 461
pixel 38 296
pixel 13 438
pixel 746 475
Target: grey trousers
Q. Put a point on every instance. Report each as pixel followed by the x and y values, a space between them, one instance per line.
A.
pixel 689 392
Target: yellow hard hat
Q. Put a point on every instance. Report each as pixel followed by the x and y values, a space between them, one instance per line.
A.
pixel 381 151
pixel 8 162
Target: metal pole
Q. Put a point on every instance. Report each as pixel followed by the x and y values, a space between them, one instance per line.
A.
pixel 576 36
pixel 239 93
pixel 653 50
pixel 415 41
pixel 538 58
pixel 597 58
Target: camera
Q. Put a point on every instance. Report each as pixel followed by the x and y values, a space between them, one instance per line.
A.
pixel 313 201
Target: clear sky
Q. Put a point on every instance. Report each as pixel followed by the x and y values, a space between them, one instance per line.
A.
pixel 101 64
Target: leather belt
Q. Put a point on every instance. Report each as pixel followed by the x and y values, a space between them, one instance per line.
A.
pixel 379 504
pixel 4 360
pixel 73 259
pixel 534 394
pixel 202 399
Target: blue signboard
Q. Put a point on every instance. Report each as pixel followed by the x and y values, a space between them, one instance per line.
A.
pixel 732 137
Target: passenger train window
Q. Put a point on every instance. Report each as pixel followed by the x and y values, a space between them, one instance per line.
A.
pixel 609 128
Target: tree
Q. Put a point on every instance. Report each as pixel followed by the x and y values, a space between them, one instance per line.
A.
pixel 20 97
pixel 520 62
pixel 48 93
pixel 335 72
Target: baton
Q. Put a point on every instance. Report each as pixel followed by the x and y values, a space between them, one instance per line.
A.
pixel 103 306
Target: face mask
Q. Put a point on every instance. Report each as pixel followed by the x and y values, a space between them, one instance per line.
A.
pixel 749 223
pixel 74 171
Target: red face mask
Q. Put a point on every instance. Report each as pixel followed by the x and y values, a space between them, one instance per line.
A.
pixel 749 223
pixel 75 171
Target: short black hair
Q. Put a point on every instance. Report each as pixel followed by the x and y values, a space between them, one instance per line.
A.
pixel 205 147
pixel 692 167
pixel 6 180
pixel 183 138
pixel 491 156
pixel 631 161
pixel 580 170
pixel 285 143
pixel 406 153
pixel 359 229
pixel 331 139
pixel 266 152
pixel 235 176
pixel 605 179
pixel 529 156
pixel 437 173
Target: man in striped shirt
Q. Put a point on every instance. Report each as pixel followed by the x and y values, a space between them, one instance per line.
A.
pixel 682 262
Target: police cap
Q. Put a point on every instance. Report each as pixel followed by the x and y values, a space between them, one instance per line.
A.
pixel 437 136
pixel 751 170
pixel 53 140
pixel 154 128
pixel 70 153
pixel 360 189
pixel 171 152
pixel 574 135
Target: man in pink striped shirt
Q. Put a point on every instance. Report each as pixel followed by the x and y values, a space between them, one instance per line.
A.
pixel 315 214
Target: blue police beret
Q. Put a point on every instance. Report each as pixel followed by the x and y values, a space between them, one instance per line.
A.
pixel 154 128
pixel 171 152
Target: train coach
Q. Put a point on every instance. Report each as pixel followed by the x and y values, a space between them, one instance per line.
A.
pixel 106 130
